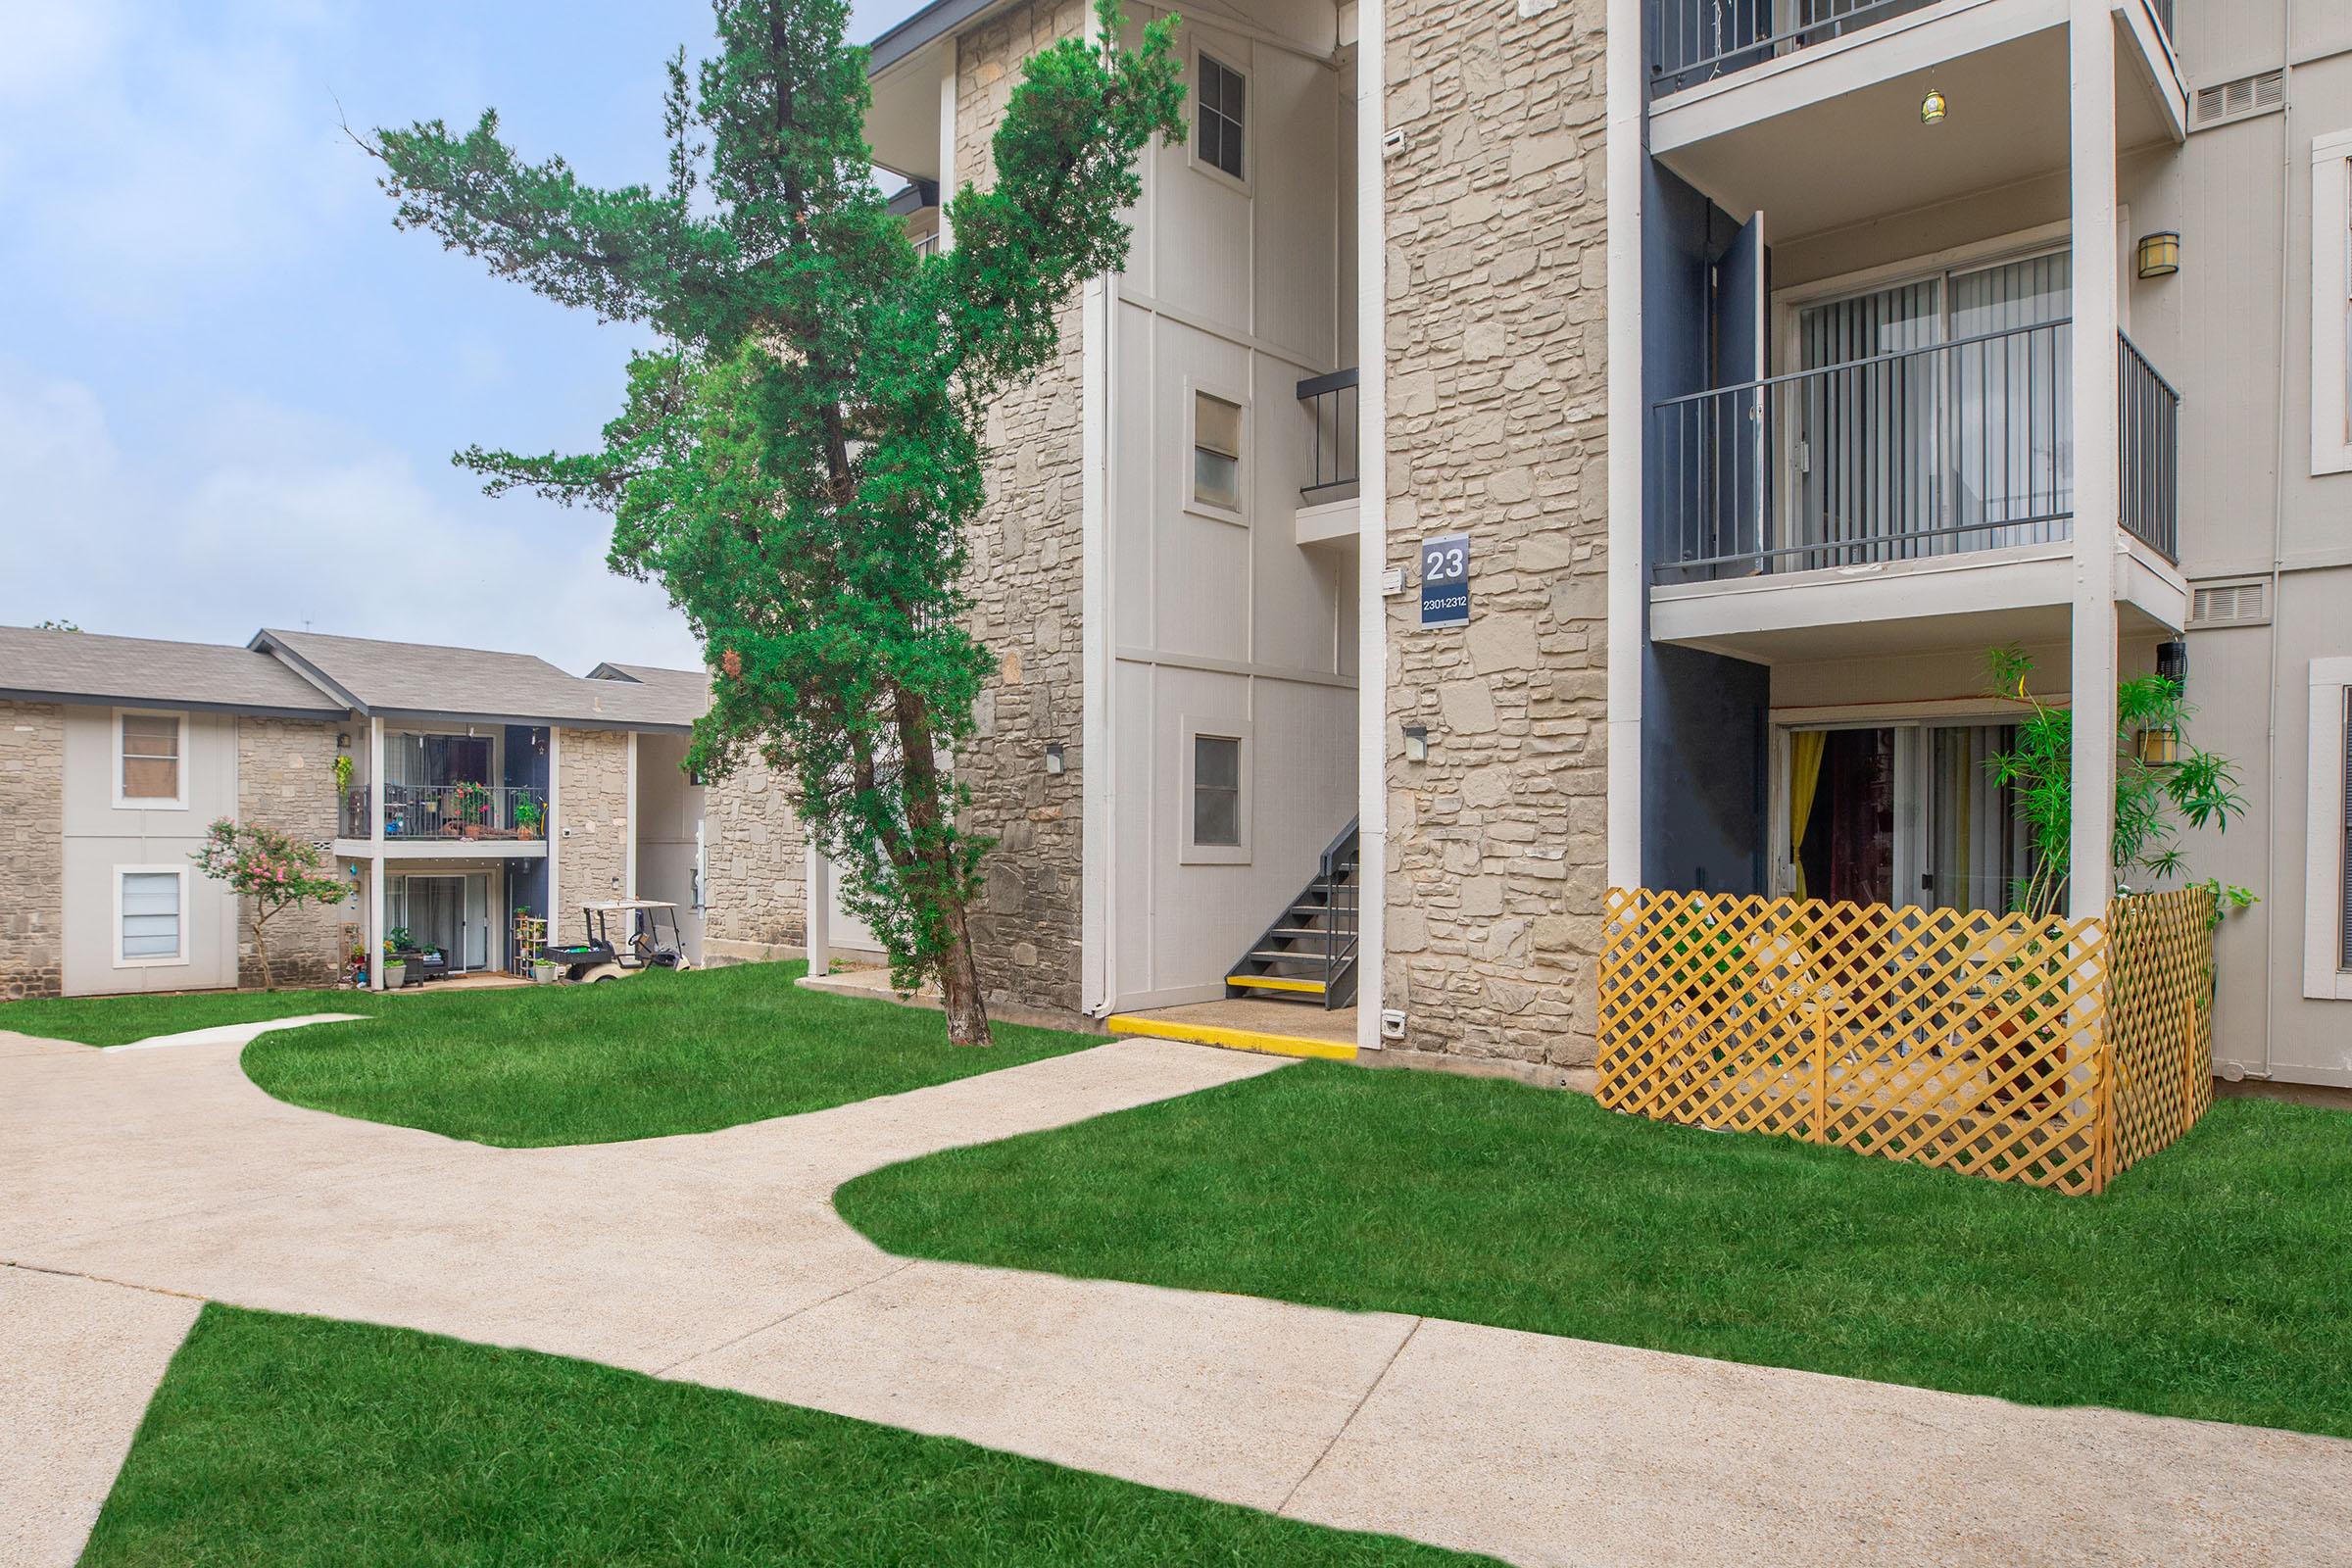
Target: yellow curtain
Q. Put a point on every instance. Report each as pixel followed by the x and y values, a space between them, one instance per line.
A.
pixel 1805 750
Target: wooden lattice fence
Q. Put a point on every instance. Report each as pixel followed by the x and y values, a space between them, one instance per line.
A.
pixel 2049 1052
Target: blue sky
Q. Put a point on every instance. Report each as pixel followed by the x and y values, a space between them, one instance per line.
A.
pixel 230 388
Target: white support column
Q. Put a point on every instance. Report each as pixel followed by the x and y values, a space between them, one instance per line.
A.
pixel 375 856
pixel 817 924
pixel 554 833
pixel 2097 486
pixel 1372 512
pixel 1627 609
pixel 628 856
pixel 1097 777
pixel 947 139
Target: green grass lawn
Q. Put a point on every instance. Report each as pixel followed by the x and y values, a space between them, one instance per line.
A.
pixel 298 1442
pixel 2214 1280
pixel 121 1021
pixel 532 1066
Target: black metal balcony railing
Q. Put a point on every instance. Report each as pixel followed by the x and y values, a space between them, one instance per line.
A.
pixel 1926 451
pixel 2150 430
pixel 1692 41
pixel 1335 456
pixel 448 811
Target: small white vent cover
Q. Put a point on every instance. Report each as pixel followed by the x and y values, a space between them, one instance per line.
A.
pixel 2235 100
pixel 2230 604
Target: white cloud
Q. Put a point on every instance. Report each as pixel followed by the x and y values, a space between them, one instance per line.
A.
pixel 278 520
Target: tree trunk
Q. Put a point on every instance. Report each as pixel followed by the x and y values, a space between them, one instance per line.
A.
pixel 260 950
pixel 960 984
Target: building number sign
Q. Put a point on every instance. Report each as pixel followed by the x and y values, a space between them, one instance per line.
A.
pixel 1446 581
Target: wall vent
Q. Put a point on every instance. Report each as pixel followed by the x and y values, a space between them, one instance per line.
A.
pixel 2235 100
pixel 2230 604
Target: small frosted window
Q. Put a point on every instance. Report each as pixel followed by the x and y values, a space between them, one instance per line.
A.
pixel 1216 452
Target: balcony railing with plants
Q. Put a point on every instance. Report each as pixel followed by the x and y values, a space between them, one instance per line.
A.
pixel 1943 450
pixel 1692 41
pixel 1333 456
pixel 448 811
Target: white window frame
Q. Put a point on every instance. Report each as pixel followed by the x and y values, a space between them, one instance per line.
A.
pixel 2325 978
pixel 1194 390
pixel 127 802
pixel 2331 303
pixel 1230 57
pixel 1192 851
pixel 177 959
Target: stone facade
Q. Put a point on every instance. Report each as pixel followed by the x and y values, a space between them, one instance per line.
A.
pixel 286 780
pixel 1025 583
pixel 755 863
pixel 1497 427
pixel 591 829
pixel 32 849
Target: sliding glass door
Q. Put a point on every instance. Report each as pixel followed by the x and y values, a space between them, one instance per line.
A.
pixel 448 913
pixel 1901 815
pixel 1933 416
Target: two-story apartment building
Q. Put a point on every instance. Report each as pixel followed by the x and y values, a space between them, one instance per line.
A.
pixel 477 788
pixel 1913 327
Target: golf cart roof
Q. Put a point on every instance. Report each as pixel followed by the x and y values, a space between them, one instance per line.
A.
pixel 614 906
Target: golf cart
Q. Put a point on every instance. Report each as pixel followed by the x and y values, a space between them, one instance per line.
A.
pixel 649 940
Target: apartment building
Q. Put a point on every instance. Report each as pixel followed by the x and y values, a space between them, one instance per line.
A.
pixel 1913 327
pixel 478 788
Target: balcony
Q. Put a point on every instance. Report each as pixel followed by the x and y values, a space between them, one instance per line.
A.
pixel 1809 111
pixel 1327 499
pixel 1901 499
pixel 443 814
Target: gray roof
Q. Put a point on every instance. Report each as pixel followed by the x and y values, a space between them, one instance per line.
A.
pixel 419 680
pixel 690 689
pixel 83 667
pixel 935 21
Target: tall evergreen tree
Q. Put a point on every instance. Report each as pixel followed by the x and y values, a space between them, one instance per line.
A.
pixel 798 461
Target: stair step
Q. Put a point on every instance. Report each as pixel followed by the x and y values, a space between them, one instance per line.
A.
pixel 1287 955
pixel 1271 982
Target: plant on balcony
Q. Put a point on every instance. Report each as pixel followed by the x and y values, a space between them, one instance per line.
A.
pixel 528 815
pixel 473 802
pixel 2153 801
pixel 343 773
pixel 802 450
pixel 270 870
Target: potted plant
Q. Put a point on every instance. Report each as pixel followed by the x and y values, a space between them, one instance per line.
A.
pixel 473 808
pixel 528 815
pixel 543 971
pixel 343 772
pixel 396 960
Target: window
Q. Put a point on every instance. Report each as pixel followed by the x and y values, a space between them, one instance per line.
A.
pixel 149 905
pixel 147 749
pixel 2331 304
pixel 1220 117
pixel 2328 838
pixel 1215 792
pixel 1216 452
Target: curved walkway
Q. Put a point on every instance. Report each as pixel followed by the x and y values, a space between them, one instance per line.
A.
pixel 718 1259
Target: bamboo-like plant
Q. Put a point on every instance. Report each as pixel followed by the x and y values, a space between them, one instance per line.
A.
pixel 2153 801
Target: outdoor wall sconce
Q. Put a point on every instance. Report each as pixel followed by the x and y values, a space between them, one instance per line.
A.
pixel 1932 107
pixel 1416 744
pixel 342 740
pixel 2159 254
pixel 1053 761
pixel 2159 747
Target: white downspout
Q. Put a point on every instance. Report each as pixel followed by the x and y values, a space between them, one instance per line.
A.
pixel 2090 54
pixel 1372 511
pixel 629 859
pixel 1626 608
pixel 375 855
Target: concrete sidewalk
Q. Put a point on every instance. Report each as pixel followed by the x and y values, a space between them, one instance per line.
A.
pixel 718 1259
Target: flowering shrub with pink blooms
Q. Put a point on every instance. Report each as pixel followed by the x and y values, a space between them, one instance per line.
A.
pixel 277 871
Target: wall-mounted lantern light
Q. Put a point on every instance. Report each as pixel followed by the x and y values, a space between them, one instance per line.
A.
pixel 1932 107
pixel 1416 744
pixel 2160 254
pixel 1053 759
pixel 343 740
pixel 2159 747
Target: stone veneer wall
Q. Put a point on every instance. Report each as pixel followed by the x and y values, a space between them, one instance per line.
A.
pixel 755 865
pixel 286 780
pixel 32 849
pixel 592 826
pixel 1025 583
pixel 1497 424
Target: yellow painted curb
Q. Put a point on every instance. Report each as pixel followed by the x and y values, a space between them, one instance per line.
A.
pixel 1267 982
pixel 1203 1034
